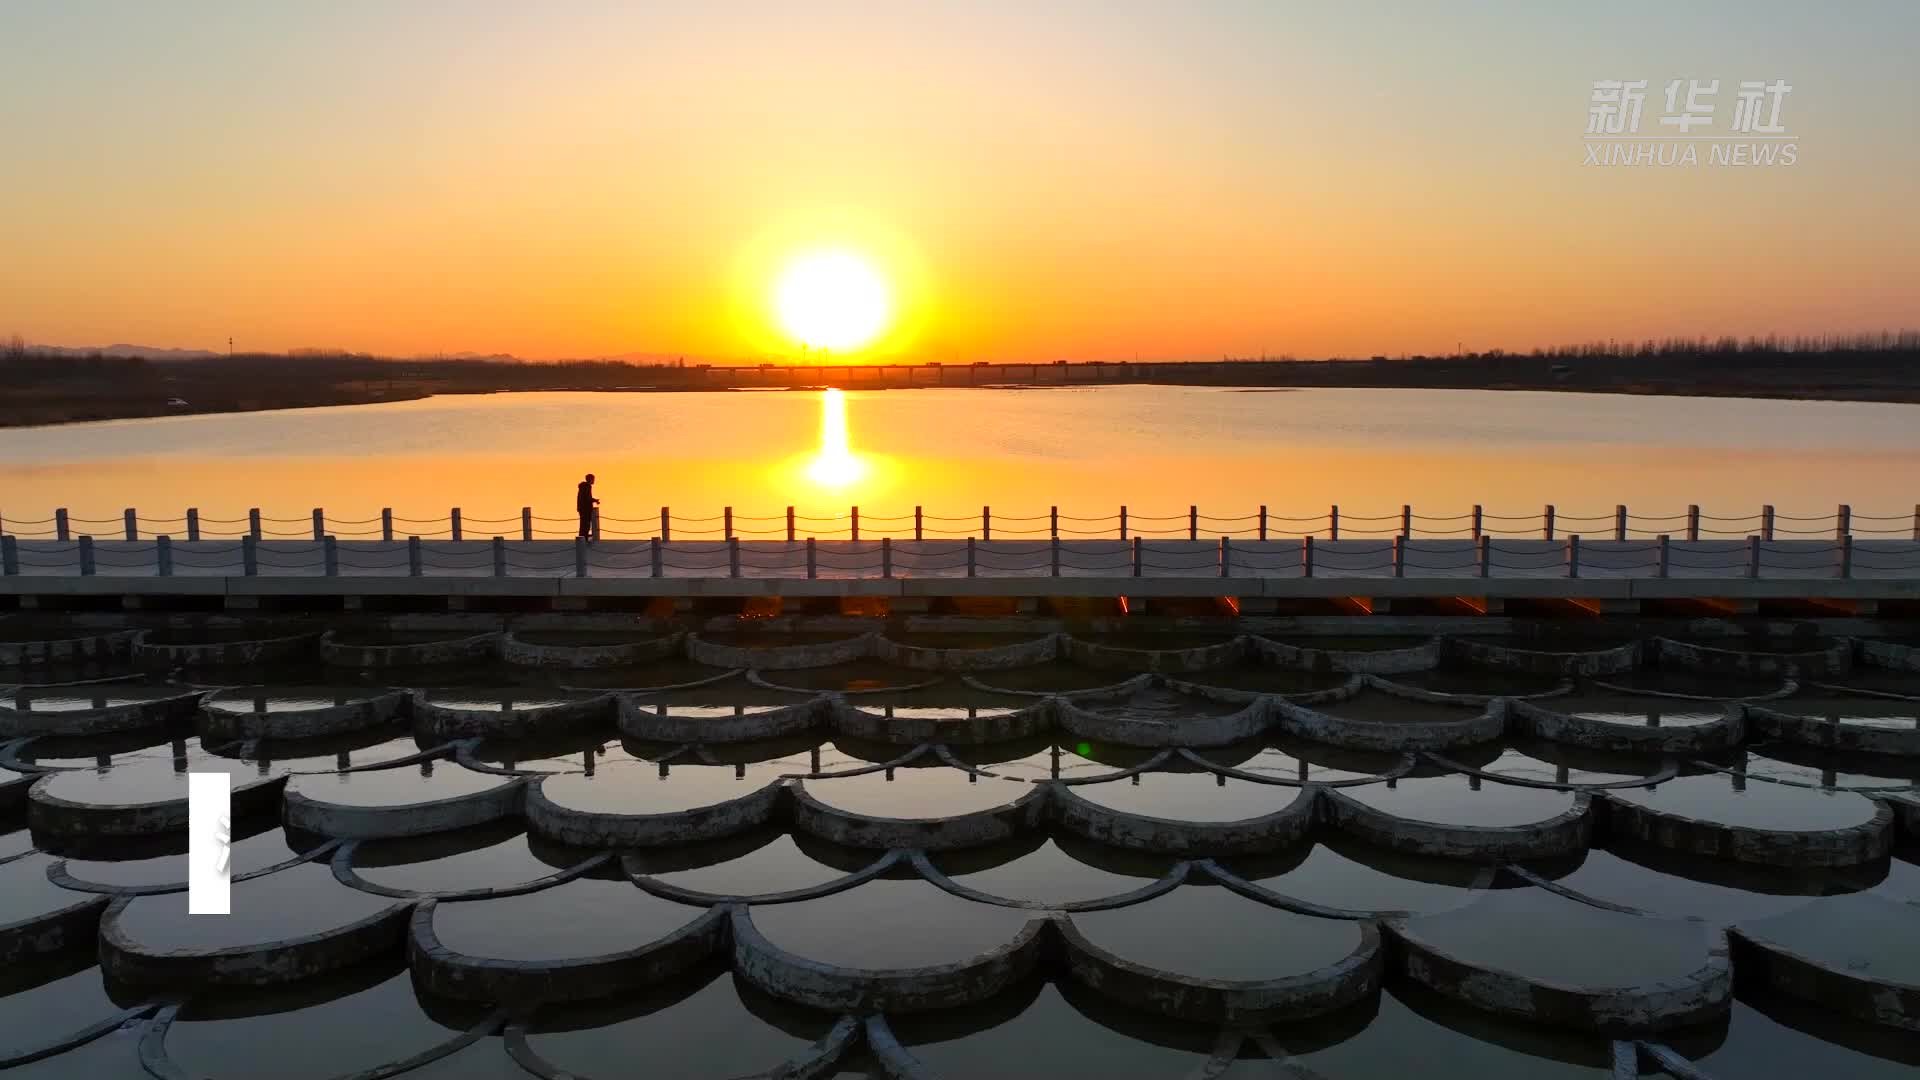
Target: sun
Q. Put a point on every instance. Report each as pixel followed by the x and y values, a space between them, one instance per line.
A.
pixel 833 300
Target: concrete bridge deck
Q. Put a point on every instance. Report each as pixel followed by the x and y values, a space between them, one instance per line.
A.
pixel 1494 569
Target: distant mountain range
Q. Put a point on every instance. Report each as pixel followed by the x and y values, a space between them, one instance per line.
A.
pixel 145 352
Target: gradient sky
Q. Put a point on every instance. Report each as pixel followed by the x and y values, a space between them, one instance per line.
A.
pixel 1077 181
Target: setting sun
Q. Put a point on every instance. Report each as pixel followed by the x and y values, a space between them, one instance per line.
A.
pixel 832 300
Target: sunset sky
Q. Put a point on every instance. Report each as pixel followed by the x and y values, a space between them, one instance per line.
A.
pixel 1057 181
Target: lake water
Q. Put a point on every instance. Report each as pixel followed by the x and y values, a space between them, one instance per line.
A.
pixel 1155 449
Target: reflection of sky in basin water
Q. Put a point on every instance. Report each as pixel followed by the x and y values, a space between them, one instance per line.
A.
pixel 25 892
pixel 658 789
pixel 1044 875
pixel 504 862
pixel 1364 879
pixel 1607 876
pixel 299 900
pixel 1542 936
pixel 779 865
pixel 1211 932
pixel 60 1005
pixel 1051 1037
pixel 267 699
pixel 1455 799
pixel 247 854
pixel 1755 803
pixel 1189 796
pixel 1807 766
pixel 1304 761
pixel 1638 711
pixel 583 917
pixel 884 924
pixel 932 792
pixel 359 1030
pixel 1855 711
pixel 105 697
pixel 399 786
pixel 1376 707
pixel 1520 764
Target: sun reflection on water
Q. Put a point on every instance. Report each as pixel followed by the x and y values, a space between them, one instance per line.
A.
pixel 836 465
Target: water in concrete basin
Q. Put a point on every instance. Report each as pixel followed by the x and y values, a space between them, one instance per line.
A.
pixel 581 639
pixel 710 1024
pixel 289 1035
pixel 1054 677
pixel 658 788
pixel 1205 931
pixel 84 698
pixel 1339 873
pixel 1410 1030
pixel 670 672
pixel 771 639
pixel 1657 882
pixel 1363 643
pixel 1763 644
pixel 1261 679
pixel 41 1003
pixel 961 640
pixel 1190 796
pixel 856 676
pixel 1684 683
pixel 485 1058
pixel 273 699
pixel 1455 799
pixel 1630 711
pixel 148 780
pixel 1285 757
pixel 1758 804
pixel 588 916
pixel 1903 877
pixel 114 1056
pixel 782 862
pixel 1052 872
pixel 478 858
pixel 274 756
pixel 297 901
pixel 1854 711
pixel 935 713
pixel 248 854
pixel 502 699
pixel 800 755
pixel 224 635
pixel 1874 680
pixel 716 711
pixel 1378 707
pixel 1155 642
pixel 402 785
pixel 1863 935
pixel 1075 760
pixel 16 842
pixel 1769 1035
pixel 1052 1031
pixel 1548 763
pixel 1822 768
pixel 934 792
pixel 1474 681
pixel 577 752
pixel 882 925
pixel 1158 705
pixel 1547 938
pixel 1559 643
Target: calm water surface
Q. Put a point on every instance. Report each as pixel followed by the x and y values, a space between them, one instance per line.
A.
pixel 1087 450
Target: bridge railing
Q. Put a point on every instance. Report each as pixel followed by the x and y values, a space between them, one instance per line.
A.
pixel 1123 523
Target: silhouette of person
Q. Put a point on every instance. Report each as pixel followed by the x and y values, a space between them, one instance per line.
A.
pixel 586 503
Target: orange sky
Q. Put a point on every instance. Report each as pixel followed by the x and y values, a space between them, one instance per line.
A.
pixel 1079 182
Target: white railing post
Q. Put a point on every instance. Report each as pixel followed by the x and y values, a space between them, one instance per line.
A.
pixel 1482 554
pixel 1664 564
pixel 1573 556
pixel 61 532
pixel 1843 522
pixel 1753 556
pixel 453 524
pixel 1476 521
pixel 163 554
pixel 386 523
pixel 193 524
pixel 319 523
pixel 1620 522
pixel 1546 523
pixel 416 564
pixel 526 523
pixel 131 521
pixel 499 556
pixel 250 555
pixel 1766 523
pixel 1693 523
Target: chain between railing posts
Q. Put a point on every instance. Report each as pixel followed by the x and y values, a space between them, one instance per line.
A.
pixel 1263 521
pixel 971 565
pixel 319 523
pixel 1055 545
pixel 1546 523
pixel 886 556
pixel 1693 524
pixel 415 564
pixel 86 556
pixel 386 523
pixel 917 534
pixel 733 557
pixel 131 522
pixel 1476 521
pixel 163 554
pixel 1846 556
pixel 1400 556
pixel 454 527
pixel 1620 522
pixel 499 556
pixel 1136 556
pixel 1406 520
pixel 1123 523
pixel 579 556
pixel 656 556
pixel 249 555
pixel 1482 554
pixel 790 533
pixel 1333 522
pixel 1226 558
pixel 986 523
pixel 1573 555
pixel 60 524
pixel 526 523
pixel 666 525
pixel 10 556
pixel 193 524
pixel 329 556
pixel 726 522
pixel 1843 522
pixel 1306 556
pixel 813 568
pixel 853 529
pixel 1663 564
pixel 1766 523
pixel 1193 523
pixel 1753 556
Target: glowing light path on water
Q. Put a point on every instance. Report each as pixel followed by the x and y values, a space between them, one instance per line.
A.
pixel 835 465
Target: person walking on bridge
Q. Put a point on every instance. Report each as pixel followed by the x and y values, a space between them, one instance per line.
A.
pixel 588 507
